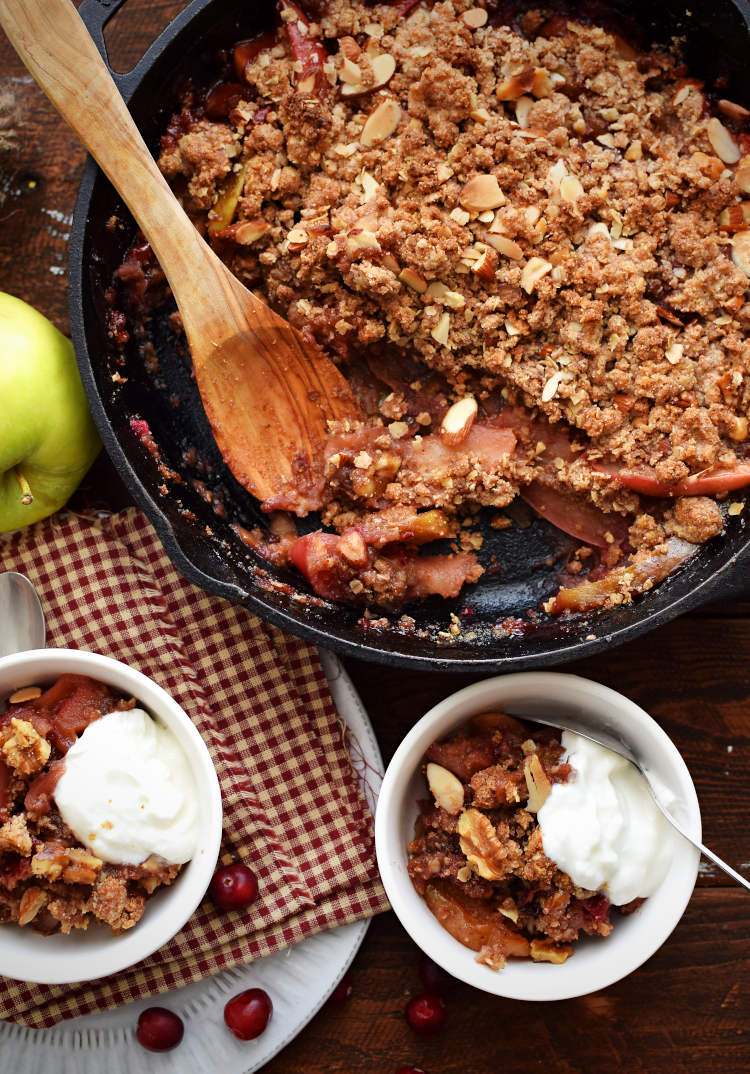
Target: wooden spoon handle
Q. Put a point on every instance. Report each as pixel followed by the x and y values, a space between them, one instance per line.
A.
pixel 54 44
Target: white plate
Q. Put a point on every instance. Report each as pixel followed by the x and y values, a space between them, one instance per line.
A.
pixel 299 979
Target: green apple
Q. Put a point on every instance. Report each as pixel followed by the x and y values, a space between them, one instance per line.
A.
pixel 48 439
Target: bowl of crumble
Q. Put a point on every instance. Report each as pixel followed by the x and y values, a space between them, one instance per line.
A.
pixel 110 816
pixel 524 859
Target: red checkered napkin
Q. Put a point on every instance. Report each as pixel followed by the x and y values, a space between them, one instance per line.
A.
pixel 293 807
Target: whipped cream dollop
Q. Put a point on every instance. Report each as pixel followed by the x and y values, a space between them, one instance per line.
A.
pixel 602 827
pixel 128 792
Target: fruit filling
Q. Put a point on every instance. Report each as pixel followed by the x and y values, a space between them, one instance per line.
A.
pixel 478 856
pixel 51 878
pixel 527 244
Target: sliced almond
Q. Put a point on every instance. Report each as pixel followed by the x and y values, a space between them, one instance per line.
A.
pixel 634 150
pixel 26 693
pixel 486 267
pixel 571 189
pixel 383 69
pixel 735 217
pixel 441 331
pixel 307 85
pixel 709 165
pixel 353 548
pixel 673 354
pixel 475 17
pixel 598 229
pixel 741 251
pixel 391 263
pixel 722 142
pixel 480 193
pixel 381 123
pixel 454 299
pixel 362 240
pixel 446 789
pixel 251 230
pixel 350 73
pixel 742 175
pixel 534 269
pixel 734 111
pixel 549 391
pixel 413 279
pixel 458 420
pixel 543 83
pixel 460 216
pixel 523 107
pixel 537 782
pixel 505 246
pixel 297 238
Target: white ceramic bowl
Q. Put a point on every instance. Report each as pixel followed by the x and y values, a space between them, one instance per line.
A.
pixel 95 952
pixel 597 962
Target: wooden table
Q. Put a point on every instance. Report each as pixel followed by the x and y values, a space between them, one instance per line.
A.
pixel 687 1009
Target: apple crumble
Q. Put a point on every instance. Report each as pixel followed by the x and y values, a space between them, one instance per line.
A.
pixel 477 856
pixel 526 243
pixel 48 879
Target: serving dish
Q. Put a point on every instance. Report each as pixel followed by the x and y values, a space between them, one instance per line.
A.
pixel 598 962
pixel 299 979
pixel 203 545
pixel 96 952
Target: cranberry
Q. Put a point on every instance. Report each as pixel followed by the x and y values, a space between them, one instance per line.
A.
pixel 341 992
pixel 159 1030
pixel 434 977
pixel 426 1013
pixel 233 887
pixel 410 1070
pixel 248 1014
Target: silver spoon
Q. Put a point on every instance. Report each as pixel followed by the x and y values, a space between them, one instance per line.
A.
pixel 610 739
pixel 22 624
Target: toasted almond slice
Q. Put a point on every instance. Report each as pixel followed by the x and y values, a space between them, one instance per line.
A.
pixel 460 216
pixel 673 354
pixel 722 142
pixel 571 188
pixel 742 175
pixel 475 17
pixel 381 123
pixel 353 548
pixel 350 73
pixel 634 150
pixel 598 229
pixel 383 69
pixel 26 693
pixel 537 781
pixel 735 217
pixel 534 269
pixel 413 279
pixel 485 268
pixel 297 238
pixel 480 193
pixel 458 420
pixel 523 107
pixel 741 251
pixel 307 85
pixel 441 331
pixel 446 789
pixel 391 263
pixel 734 111
pixel 251 230
pixel 550 388
pixel 505 246
pixel 454 299
pixel 542 84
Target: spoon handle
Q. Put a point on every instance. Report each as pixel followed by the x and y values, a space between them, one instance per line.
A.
pixel 54 44
pixel 700 846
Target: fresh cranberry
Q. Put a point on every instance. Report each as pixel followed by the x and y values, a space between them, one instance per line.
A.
pixel 434 978
pixel 426 1013
pixel 248 1014
pixel 159 1030
pixel 410 1070
pixel 341 992
pixel 233 887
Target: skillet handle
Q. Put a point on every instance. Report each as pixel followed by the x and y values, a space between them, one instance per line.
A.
pixel 95 15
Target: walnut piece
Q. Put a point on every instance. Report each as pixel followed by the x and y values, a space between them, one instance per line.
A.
pixel 480 844
pixel 24 749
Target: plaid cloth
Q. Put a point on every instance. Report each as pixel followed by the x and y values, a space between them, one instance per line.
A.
pixel 293 807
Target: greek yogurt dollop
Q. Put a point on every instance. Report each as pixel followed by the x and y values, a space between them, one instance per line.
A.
pixel 602 827
pixel 127 791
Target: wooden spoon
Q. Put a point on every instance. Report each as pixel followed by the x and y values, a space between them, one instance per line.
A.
pixel 267 392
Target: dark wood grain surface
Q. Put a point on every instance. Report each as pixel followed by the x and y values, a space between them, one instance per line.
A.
pixel 687 1009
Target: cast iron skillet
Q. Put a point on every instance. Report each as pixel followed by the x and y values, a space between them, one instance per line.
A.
pixel 202 544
